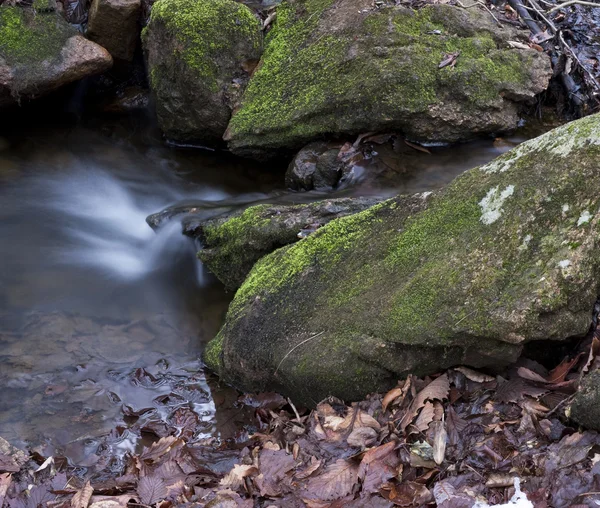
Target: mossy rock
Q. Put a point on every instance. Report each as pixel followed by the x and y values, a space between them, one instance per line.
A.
pixel 234 243
pixel 199 53
pixel 346 67
pixel 506 254
pixel 40 51
pixel 585 408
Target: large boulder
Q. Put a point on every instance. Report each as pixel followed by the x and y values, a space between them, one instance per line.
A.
pixel 40 52
pixel 114 24
pixel 232 244
pixel 199 54
pixel 348 67
pixel 506 254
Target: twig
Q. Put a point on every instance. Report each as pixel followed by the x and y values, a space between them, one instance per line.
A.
pixel 298 419
pixel 539 12
pixel 518 6
pixel 294 349
pixel 571 2
pixel 576 58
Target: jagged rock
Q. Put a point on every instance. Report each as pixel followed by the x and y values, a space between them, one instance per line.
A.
pixel 199 54
pixel 114 24
pixel 351 67
pixel 234 243
pixel 40 52
pixel 506 254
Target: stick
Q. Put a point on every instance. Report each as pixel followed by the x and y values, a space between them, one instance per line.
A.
pixel 571 2
pixel 539 12
pixel 572 53
pixel 294 349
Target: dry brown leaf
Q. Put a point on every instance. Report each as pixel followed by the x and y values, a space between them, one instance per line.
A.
pixel 559 373
pixel 436 390
pixel 408 494
pixel 362 437
pixel 528 374
pixel 312 466
pixel 235 478
pixel 515 389
pixel 517 45
pixel 378 466
pixel 391 396
pixel 425 417
pixel 337 481
pixel 474 375
pixel 439 441
pixel 112 501
pixel 82 497
pixel 151 489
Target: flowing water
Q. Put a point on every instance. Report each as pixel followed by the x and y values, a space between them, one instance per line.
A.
pixel 100 315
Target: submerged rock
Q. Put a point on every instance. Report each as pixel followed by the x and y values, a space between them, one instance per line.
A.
pixel 506 254
pixel 40 52
pixel 234 243
pixel 114 24
pixel 349 68
pixel 199 54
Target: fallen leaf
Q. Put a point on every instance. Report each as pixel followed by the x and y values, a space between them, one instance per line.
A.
pixel 517 45
pixel 337 481
pixel 417 147
pixel 496 480
pixel 82 497
pixel 391 396
pixel 437 389
pixel 362 437
pixel 439 441
pixel 5 481
pixel 312 466
pixel 449 60
pixel 378 465
pixel 425 417
pixel 474 375
pixel 151 489
pixel 235 478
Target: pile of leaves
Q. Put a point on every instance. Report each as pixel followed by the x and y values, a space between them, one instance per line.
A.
pixel 453 440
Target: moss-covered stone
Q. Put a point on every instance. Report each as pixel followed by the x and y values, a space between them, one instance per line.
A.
pixel 233 244
pixel 40 51
pixel 197 51
pixel 344 67
pixel 585 408
pixel 504 255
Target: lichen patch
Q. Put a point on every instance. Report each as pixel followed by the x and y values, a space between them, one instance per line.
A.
pixel 584 218
pixel 491 204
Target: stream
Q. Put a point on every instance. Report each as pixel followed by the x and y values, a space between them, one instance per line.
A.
pixel 102 320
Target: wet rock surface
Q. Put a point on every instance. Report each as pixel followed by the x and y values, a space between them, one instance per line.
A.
pixel 114 25
pixel 316 166
pixel 349 68
pixel 41 52
pixel 199 55
pixel 233 243
pixel 504 255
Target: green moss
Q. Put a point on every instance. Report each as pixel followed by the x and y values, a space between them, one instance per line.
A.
pixel 386 68
pixel 213 354
pixel 27 38
pixel 203 29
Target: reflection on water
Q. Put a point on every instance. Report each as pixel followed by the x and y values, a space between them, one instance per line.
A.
pixel 98 312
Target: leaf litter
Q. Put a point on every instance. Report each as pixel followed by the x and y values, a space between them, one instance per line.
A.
pixel 458 439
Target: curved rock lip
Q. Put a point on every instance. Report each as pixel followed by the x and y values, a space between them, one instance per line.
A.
pixel 40 52
pixel 506 254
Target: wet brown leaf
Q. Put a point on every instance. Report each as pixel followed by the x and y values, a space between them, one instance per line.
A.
pixel 425 417
pixel 408 494
pixel 163 446
pixel 439 441
pixel 312 466
pixel 337 481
